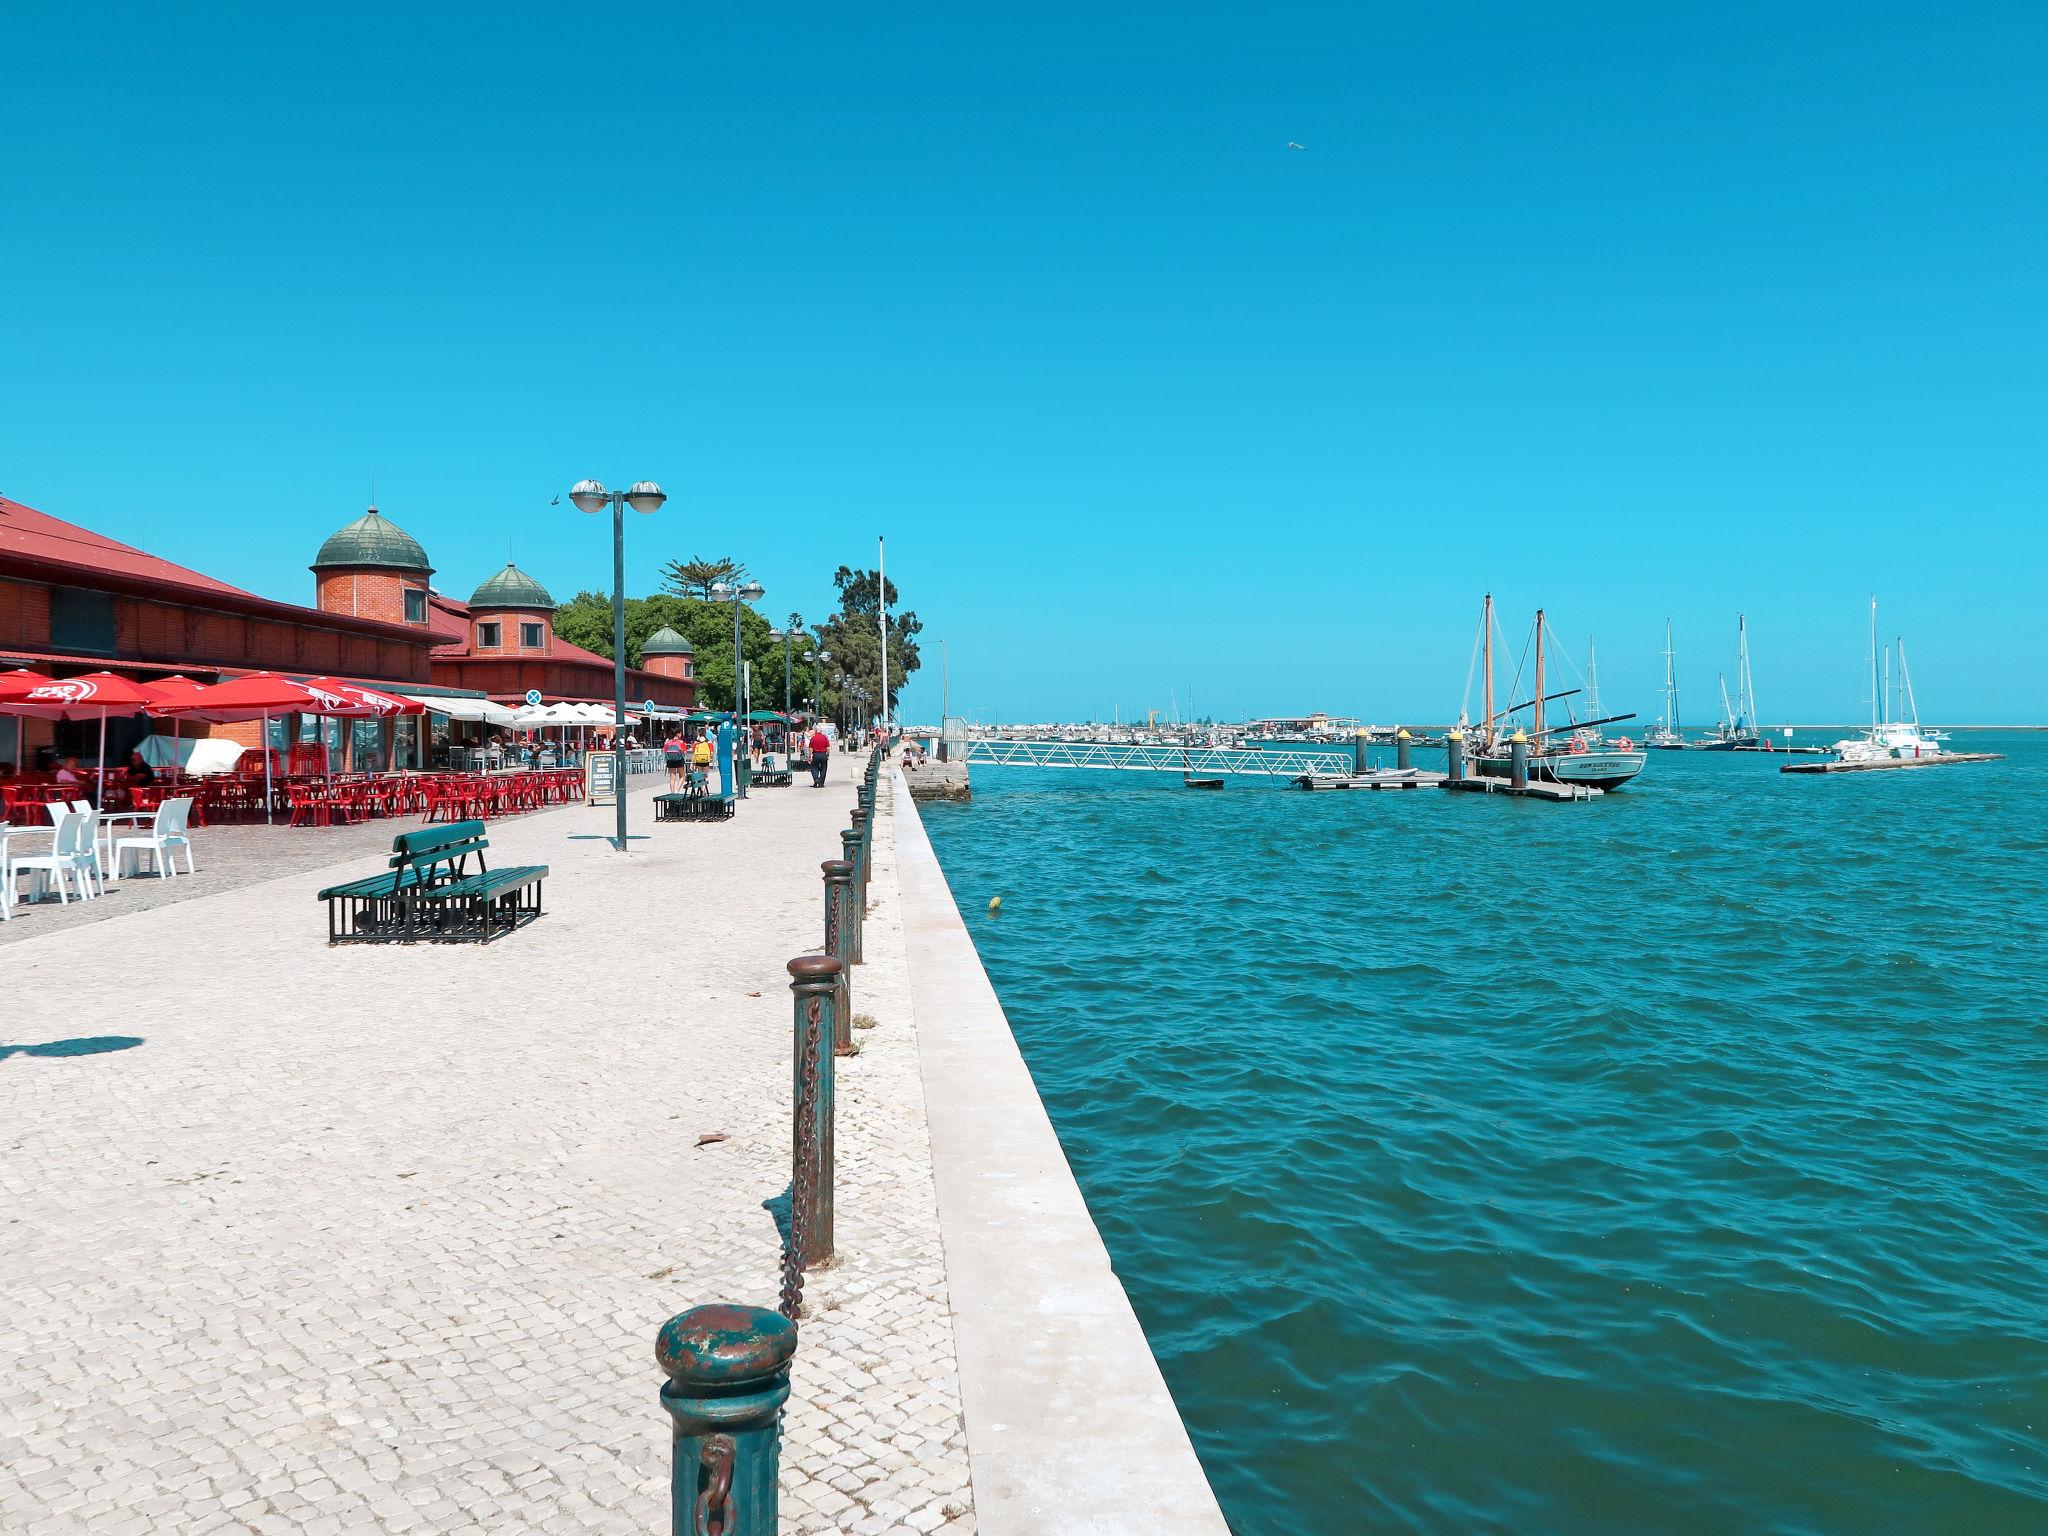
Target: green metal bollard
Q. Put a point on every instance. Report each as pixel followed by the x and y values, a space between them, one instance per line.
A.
pixel 864 824
pixel 1518 761
pixel 1360 763
pixel 842 942
pixel 728 1376
pixel 1404 750
pixel 814 987
pixel 849 850
pixel 1454 757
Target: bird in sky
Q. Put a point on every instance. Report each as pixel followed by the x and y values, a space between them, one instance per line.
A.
pixel 1292 145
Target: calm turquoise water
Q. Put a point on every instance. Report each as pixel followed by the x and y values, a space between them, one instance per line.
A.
pixel 1673 1163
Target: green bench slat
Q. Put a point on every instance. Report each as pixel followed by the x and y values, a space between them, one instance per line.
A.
pixel 374 885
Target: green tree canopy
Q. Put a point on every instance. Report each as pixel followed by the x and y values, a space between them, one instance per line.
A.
pixel 854 635
pixel 695 577
pixel 586 620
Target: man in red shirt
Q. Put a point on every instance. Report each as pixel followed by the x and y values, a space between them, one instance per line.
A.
pixel 821 754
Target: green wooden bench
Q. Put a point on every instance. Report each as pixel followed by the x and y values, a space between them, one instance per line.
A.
pixel 430 892
pixel 697 803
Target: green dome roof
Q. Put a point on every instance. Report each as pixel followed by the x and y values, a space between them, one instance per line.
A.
pixel 511 588
pixel 666 642
pixel 373 541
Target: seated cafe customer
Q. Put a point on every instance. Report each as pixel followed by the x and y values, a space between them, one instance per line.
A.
pixel 139 771
pixel 67 772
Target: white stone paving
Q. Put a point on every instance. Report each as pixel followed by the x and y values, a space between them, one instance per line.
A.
pixel 378 1238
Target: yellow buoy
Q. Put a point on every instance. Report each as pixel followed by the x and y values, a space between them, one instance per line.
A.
pixel 995 904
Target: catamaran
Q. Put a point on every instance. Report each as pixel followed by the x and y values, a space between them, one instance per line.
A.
pixel 1665 735
pixel 1738 719
pixel 1888 737
pixel 1572 753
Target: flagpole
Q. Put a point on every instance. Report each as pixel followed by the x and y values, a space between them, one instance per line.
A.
pixel 882 608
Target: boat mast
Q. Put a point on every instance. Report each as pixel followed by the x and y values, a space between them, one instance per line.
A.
pixel 1873 662
pixel 1906 681
pixel 1536 734
pixel 1592 680
pixel 1746 690
pixel 1486 638
pixel 1670 683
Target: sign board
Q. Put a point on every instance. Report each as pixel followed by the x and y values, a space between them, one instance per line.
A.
pixel 600 778
pixel 533 698
pixel 648 706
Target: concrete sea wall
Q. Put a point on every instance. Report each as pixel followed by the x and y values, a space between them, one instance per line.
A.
pixel 1070 1427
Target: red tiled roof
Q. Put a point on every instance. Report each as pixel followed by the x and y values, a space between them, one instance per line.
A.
pixel 32 535
pixel 48 548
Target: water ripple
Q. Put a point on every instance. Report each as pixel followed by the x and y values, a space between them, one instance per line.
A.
pixel 1670 1163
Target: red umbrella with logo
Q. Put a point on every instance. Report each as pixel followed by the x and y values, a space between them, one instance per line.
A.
pixel 363 702
pixel 19 675
pixel 93 696
pixel 259 695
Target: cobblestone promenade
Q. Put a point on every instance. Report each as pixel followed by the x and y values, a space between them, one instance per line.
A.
pixel 312 1240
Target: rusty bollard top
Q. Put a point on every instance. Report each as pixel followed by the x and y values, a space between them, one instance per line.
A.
pixel 724 1346
pixel 814 970
pixel 837 869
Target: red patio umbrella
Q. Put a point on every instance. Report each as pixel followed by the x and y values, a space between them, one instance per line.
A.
pixel 96 695
pixel 364 701
pixel 177 689
pixel 22 676
pixel 259 695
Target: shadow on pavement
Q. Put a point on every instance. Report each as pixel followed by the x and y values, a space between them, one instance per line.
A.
pixel 84 1045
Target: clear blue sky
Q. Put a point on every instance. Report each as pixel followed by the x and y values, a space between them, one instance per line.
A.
pixel 1625 309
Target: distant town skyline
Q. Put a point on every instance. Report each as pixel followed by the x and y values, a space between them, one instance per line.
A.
pixel 1627 314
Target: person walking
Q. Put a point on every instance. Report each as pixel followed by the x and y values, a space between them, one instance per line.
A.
pixel 821 755
pixel 675 758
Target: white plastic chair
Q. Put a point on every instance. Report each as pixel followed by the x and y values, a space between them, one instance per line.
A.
pixel 166 831
pixel 71 853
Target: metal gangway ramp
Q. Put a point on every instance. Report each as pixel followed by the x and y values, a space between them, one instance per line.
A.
pixel 1123 757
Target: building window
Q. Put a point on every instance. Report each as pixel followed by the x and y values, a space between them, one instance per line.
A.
pixel 531 637
pixel 489 636
pixel 81 621
pixel 415 606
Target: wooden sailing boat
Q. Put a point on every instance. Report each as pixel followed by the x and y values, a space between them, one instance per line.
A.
pixel 1572 753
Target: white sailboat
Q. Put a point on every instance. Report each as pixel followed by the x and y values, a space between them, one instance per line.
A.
pixel 1665 735
pixel 1738 718
pixel 1888 737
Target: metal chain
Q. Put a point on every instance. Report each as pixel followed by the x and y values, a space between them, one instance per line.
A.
pixel 715 1512
pixel 803 1193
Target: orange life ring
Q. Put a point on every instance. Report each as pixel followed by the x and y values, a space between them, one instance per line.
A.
pixel 1578 744
pixel 1623 744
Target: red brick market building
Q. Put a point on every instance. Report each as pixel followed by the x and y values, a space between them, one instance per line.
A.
pixel 73 601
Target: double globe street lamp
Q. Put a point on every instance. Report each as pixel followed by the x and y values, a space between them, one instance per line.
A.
pixel 820 657
pixel 788 637
pixel 643 496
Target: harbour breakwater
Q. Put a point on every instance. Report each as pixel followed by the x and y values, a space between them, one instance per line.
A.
pixel 1671 1164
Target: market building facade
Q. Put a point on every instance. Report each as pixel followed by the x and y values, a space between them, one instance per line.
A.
pixel 73 601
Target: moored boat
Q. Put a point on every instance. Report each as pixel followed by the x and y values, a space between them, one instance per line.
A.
pixel 1665 735
pixel 1573 754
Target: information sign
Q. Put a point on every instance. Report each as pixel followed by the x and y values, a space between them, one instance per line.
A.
pixel 600 778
